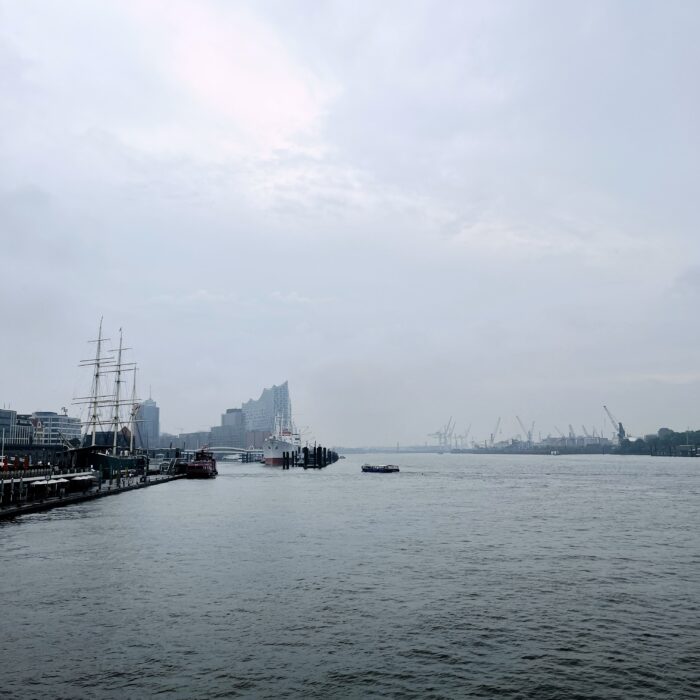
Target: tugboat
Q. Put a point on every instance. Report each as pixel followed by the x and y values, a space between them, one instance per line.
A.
pixel 380 468
pixel 203 466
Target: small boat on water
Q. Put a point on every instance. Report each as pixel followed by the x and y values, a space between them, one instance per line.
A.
pixel 380 468
pixel 203 466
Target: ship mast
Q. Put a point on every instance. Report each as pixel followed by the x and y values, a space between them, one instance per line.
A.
pixel 134 410
pixel 117 386
pixel 95 400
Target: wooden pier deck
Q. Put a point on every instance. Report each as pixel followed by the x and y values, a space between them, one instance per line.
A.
pixel 14 510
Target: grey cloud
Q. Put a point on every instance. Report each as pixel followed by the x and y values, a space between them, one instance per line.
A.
pixel 486 209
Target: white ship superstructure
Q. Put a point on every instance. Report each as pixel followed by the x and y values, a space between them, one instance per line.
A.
pixel 284 439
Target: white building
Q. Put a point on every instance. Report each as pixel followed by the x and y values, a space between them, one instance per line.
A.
pixel 55 429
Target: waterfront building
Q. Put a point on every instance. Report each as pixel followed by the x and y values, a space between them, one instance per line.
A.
pixel 195 440
pixel 52 428
pixel 255 439
pixel 105 439
pixel 168 440
pixel 272 406
pixel 23 433
pixel 8 419
pixel 147 430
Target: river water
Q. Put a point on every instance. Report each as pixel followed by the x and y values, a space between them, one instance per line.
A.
pixel 462 576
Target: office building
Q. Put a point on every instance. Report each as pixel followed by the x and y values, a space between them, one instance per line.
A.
pixel 147 430
pixel 52 428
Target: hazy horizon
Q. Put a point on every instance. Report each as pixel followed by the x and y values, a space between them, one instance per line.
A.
pixel 409 211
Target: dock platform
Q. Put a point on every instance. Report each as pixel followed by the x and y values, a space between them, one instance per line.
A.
pixel 14 510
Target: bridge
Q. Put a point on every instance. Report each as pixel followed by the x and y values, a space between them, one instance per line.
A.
pixel 251 455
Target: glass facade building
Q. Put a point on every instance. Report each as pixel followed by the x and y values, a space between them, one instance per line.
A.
pixel 147 431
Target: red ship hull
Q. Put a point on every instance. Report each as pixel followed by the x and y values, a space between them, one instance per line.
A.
pixel 203 466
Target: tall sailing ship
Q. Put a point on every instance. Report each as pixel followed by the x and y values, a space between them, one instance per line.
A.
pixel 108 439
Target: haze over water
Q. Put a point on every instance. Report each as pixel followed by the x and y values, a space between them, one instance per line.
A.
pixel 464 575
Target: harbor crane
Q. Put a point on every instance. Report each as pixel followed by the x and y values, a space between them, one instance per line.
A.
pixel 559 431
pixel 527 434
pixel 461 440
pixel 585 432
pixel 437 435
pixel 494 434
pixel 572 432
pixel 617 426
pixel 449 432
pixel 444 435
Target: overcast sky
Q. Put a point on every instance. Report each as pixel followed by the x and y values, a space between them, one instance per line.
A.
pixel 410 210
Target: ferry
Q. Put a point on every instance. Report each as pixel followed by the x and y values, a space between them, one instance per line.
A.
pixel 203 466
pixel 380 468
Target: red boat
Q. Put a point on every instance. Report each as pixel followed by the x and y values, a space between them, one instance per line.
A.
pixel 203 466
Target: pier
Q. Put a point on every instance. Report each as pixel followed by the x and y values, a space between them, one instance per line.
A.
pixel 35 493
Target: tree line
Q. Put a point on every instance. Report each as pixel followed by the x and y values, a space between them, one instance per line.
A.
pixel 664 442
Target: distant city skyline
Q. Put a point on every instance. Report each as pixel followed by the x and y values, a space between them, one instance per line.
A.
pixel 275 400
pixel 244 427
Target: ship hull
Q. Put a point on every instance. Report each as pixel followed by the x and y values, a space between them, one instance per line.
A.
pixel 202 467
pixel 200 473
pixel 274 449
pixel 380 469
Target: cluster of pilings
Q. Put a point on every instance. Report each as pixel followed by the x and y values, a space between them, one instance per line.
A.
pixel 316 457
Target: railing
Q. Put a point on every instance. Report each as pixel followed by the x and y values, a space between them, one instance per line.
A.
pixel 25 473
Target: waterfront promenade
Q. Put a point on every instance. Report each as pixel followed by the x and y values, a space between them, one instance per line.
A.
pixel 34 494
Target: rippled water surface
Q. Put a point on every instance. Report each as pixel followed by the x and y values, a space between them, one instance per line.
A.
pixel 462 576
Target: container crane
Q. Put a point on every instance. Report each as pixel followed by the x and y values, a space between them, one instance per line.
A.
pixel 522 427
pixel 437 435
pixel 527 434
pixel 463 438
pixel 444 435
pixel 449 431
pixel 495 431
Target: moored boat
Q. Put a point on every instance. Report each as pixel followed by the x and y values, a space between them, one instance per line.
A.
pixel 202 466
pixel 107 444
pixel 275 446
pixel 380 468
